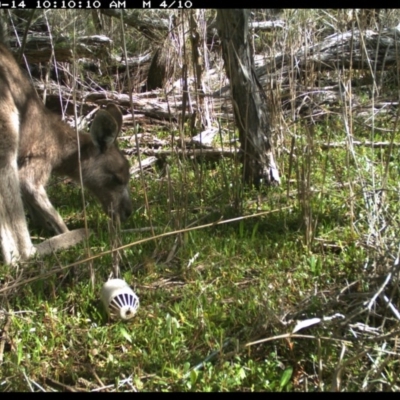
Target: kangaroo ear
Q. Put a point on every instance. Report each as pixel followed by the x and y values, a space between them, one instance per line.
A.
pixel 116 113
pixel 106 126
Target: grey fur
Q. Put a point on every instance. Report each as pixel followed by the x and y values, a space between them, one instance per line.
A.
pixel 34 143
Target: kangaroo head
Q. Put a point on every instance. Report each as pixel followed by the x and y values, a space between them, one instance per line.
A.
pixel 106 172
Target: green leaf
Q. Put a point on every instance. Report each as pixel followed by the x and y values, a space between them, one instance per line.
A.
pixel 287 374
pixel 125 334
pixel 193 376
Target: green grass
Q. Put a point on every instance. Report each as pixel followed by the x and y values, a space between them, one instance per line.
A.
pixel 205 293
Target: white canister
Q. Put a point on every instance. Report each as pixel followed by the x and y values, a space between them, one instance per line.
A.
pixel 119 299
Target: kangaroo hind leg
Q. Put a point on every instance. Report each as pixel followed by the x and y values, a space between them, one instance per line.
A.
pixel 14 235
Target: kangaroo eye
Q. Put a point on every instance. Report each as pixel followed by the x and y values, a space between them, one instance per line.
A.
pixel 117 180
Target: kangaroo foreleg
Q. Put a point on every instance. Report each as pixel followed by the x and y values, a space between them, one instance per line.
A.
pixel 41 210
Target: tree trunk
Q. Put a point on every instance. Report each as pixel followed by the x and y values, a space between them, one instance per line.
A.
pixel 248 98
pixel 157 71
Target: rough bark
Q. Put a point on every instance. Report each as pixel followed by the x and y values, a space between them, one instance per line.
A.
pixel 248 98
pixel 157 71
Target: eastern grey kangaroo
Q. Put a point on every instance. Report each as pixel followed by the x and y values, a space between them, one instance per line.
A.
pixel 34 143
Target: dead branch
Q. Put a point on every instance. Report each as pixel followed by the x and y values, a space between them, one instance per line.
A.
pixel 366 143
pixel 192 153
